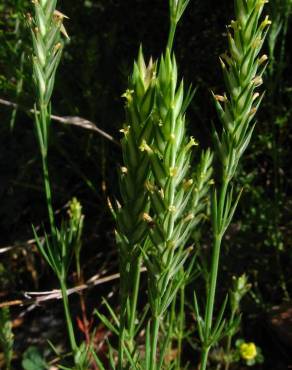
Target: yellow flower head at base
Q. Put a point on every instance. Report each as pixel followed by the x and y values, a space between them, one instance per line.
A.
pixel 248 351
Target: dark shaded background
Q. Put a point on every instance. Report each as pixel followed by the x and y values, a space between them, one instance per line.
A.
pixel 105 37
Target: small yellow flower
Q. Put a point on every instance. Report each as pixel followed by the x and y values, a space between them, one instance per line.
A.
pixel 248 351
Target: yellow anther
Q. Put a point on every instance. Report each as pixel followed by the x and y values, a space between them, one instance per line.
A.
pixel 128 95
pixel 191 143
pixel 124 170
pixel 172 209
pixel 59 16
pixel 221 98
pixel 147 218
pixel 144 147
pixel 149 186
pixel 263 58
pixel 173 171
pixel 57 47
pixel 257 81
pixel 257 42
pixel 125 130
pixel 266 22
pixel 187 184
pixel 189 217
pixel 252 111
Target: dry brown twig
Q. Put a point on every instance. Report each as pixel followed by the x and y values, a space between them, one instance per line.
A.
pixel 69 120
pixel 56 293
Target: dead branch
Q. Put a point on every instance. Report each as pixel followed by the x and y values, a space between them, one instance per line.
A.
pixel 35 298
pixel 69 120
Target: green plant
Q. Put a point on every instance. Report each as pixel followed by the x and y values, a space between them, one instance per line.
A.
pixel 6 336
pixel 13 56
pixel 130 215
pixel 60 244
pixel 33 360
pixel 161 196
pixel 242 70
pixel 239 289
pixel 177 198
pixel 162 200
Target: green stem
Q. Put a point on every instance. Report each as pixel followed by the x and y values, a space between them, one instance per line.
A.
pixel 204 359
pixel 123 297
pixel 48 192
pixel 134 300
pixel 229 341
pixel 213 283
pixel 181 326
pixel 69 323
pixel 214 272
pixel 171 34
pixel 154 341
pixel 44 122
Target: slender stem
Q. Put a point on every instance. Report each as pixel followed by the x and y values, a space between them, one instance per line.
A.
pixel 154 341
pixel 44 122
pixel 229 341
pixel 181 326
pixel 134 300
pixel 215 261
pixel 171 34
pixel 129 300
pixel 171 324
pixel 123 298
pixel 214 272
pixel 48 192
pixel 68 316
pixel 204 360
pixel 213 283
pixel 121 346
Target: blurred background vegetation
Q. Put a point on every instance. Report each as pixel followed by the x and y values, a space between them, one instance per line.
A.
pixel 104 39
